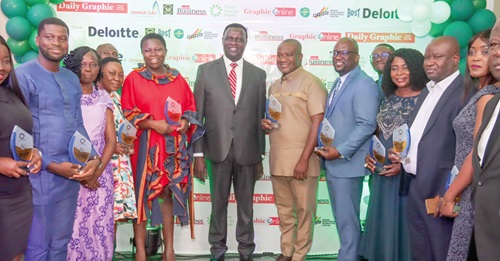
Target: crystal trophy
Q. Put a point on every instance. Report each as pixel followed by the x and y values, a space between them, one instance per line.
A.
pixel 126 132
pixel 21 144
pixel 273 111
pixel 377 151
pixel 401 141
pixel 79 149
pixel 325 135
pixel 173 112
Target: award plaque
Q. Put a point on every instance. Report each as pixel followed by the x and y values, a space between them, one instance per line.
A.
pixel 273 111
pixel 126 132
pixel 173 111
pixel 401 141
pixel 451 177
pixel 325 135
pixel 79 149
pixel 21 144
pixel 377 151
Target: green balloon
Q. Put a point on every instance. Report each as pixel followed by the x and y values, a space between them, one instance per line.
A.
pixel 463 52
pixel 11 8
pixel 39 12
pixel 482 19
pixel 461 10
pixel 460 30
pixel 479 4
pixel 56 1
pixel 34 2
pixel 18 28
pixel 438 29
pixel 32 40
pixel 19 60
pixel 18 48
pixel 447 1
pixel 30 56
pixel 462 65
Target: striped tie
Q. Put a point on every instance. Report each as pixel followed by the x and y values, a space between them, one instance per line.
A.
pixel 232 79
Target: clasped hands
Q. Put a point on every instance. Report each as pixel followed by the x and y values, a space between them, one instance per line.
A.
pixel 389 170
pixel 15 169
pixel 162 127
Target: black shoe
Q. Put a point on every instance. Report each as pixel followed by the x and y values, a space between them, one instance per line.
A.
pixel 246 258
pixel 214 258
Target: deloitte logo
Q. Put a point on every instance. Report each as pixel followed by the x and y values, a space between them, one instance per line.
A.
pixel 179 33
pixel 215 10
pixel 304 12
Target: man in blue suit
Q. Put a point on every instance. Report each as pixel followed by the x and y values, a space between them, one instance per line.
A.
pixel 352 108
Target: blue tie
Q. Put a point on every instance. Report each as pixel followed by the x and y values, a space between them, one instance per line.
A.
pixel 333 93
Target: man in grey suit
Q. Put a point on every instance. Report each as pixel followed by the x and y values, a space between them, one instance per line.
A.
pixel 352 107
pixel 432 149
pixel 486 164
pixel 230 98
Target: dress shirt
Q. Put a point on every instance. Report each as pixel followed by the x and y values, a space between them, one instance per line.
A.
pixel 54 100
pixel 342 78
pixel 436 90
pixel 485 137
pixel 239 75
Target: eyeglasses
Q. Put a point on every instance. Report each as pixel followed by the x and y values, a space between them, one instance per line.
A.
pixel 383 56
pixel 343 53
pixel 89 65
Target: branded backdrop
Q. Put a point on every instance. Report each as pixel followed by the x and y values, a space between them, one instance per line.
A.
pixel 193 31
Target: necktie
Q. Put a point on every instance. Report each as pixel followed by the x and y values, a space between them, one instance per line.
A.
pixel 334 92
pixel 380 81
pixel 232 79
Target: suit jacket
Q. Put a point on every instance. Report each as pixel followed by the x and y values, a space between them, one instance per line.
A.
pixel 354 118
pixel 485 190
pixel 436 150
pixel 225 122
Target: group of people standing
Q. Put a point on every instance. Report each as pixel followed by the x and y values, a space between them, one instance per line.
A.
pixel 64 211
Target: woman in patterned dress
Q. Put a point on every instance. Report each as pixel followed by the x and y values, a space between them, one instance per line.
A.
pixel 386 233
pixel 479 83
pixel 111 79
pixel 93 234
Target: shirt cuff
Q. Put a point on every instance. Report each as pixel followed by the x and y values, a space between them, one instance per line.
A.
pixel 198 155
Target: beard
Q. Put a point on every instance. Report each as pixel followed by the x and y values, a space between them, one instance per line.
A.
pixel 50 57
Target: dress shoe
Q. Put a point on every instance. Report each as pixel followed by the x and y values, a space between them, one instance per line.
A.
pixel 281 257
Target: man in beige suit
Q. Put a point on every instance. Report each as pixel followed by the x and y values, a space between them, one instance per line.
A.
pixel 230 98
pixel 294 168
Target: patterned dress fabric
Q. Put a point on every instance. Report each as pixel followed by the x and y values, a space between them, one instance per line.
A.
pixel 386 230
pixel 93 231
pixel 125 207
pixel 464 130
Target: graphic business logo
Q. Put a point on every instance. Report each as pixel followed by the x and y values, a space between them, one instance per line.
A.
pixel 187 10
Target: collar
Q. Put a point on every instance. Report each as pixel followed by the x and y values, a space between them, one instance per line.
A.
pixel 164 79
pixel 443 84
pixel 292 75
pixel 228 62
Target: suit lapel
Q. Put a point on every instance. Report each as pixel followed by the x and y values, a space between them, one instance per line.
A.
pixel 453 87
pixel 247 71
pixel 222 74
pixel 420 100
pixel 493 145
pixel 343 87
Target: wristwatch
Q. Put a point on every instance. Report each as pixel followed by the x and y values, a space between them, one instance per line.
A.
pixel 95 157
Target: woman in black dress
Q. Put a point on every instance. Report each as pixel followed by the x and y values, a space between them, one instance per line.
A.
pixel 16 207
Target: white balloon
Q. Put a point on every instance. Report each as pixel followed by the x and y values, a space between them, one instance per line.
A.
pixel 404 10
pixel 420 12
pixel 77 37
pixel 440 12
pixel 420 29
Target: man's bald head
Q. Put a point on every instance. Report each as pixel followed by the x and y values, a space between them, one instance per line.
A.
pixel 442 56
pixel 107 50
pixel 494 51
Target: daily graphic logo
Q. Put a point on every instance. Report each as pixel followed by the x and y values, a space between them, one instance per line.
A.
pixel 168 9
pixel 372 37
pixel 215 10
pixel 91 7
pixel 179 33
pixel 305 12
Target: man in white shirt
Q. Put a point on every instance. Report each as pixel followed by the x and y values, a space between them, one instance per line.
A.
pixel 432 148
pixel 486 164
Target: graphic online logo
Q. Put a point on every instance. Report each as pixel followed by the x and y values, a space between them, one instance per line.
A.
pixel 305 12
pixel 179 33
pixel 366 13
pixel 168 9
pixel 203 57
pixel 284 11
pixel 90 7
pixel 329 36
pixel 273 221
pixel 186 10
pixel 262 59
pixel 118 33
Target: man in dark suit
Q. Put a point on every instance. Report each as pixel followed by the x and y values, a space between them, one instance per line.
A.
pixel 432 148
pixel 352 107
pixel 486 164
pixel 230 98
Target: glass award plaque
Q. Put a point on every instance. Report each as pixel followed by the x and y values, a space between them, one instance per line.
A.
pixel 325 135
pixel 79 149
pixel 21 144
pixel 273 111
pixel 401 141
pixel 377 151
pixel 173 111
pixel 451 177
pixel 126 132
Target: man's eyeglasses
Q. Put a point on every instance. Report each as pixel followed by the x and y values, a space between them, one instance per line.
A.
pixel 343 53
pixel 383 55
